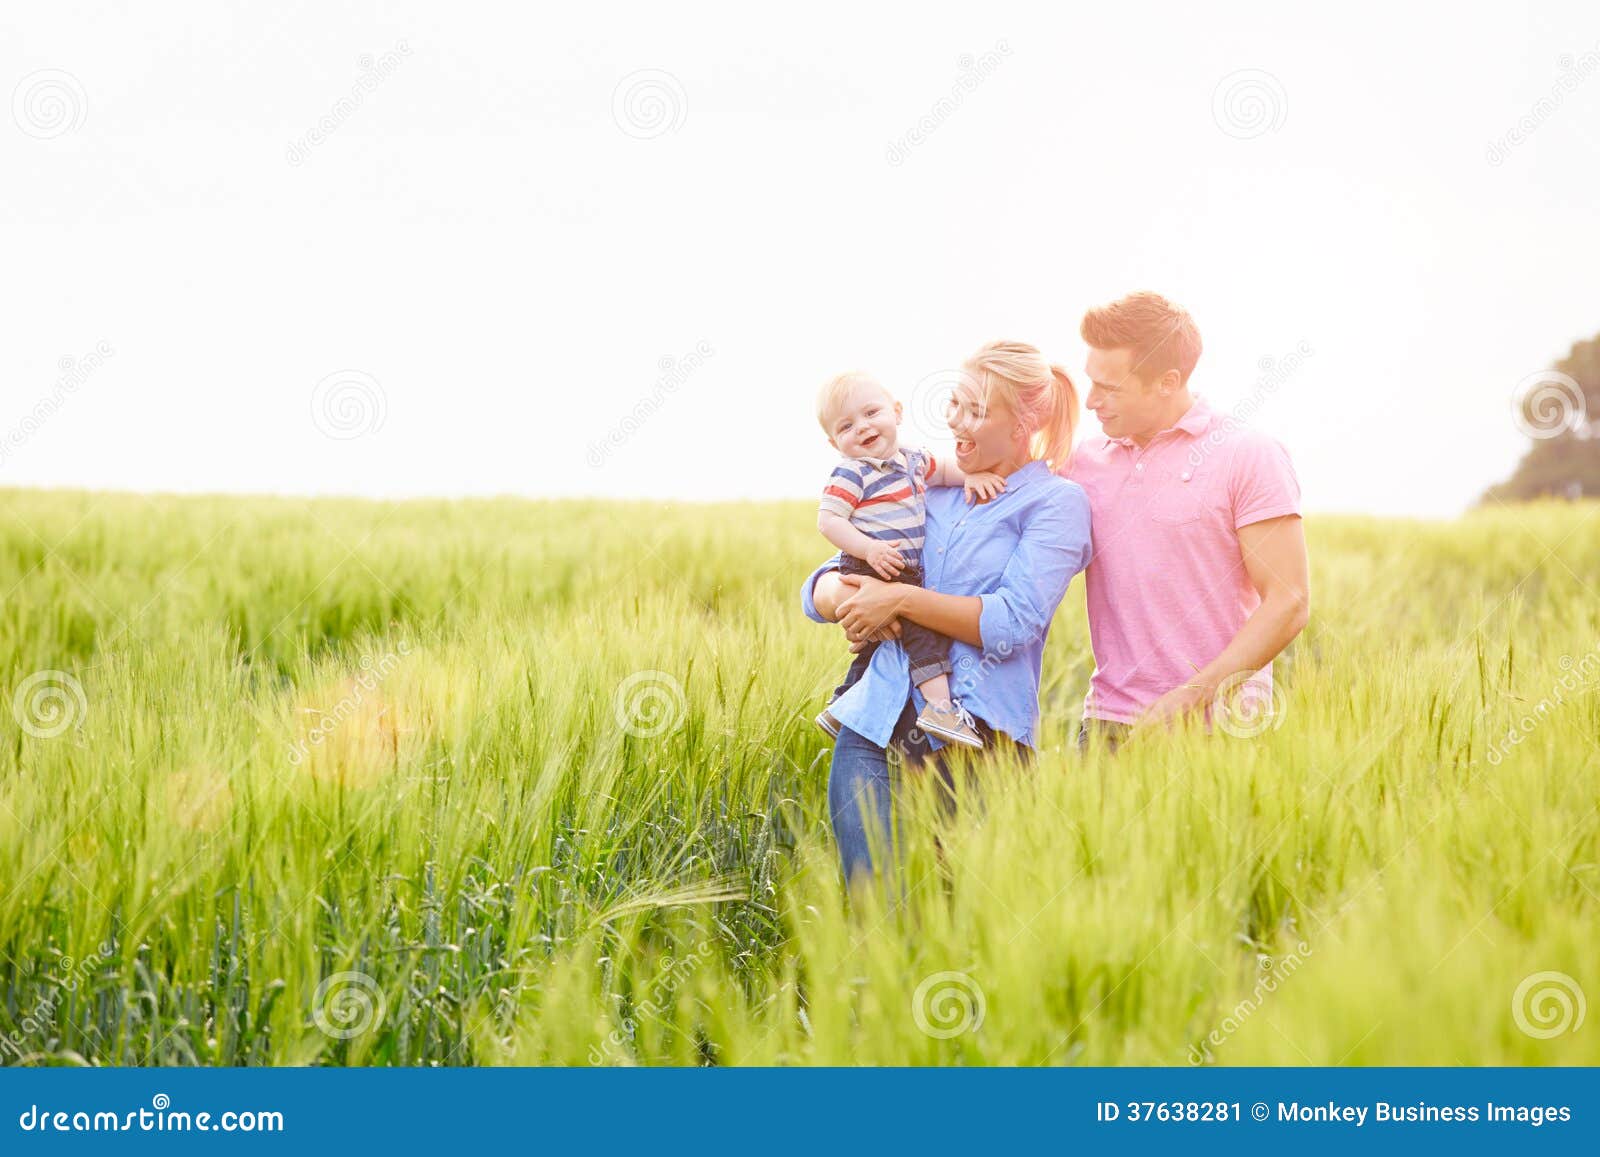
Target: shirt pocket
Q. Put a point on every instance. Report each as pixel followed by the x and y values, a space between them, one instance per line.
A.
pixel 1177 498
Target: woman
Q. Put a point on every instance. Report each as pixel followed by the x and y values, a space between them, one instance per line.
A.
pixel 995 574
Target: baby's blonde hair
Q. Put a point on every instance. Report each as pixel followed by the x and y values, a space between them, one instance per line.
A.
pixel 836 390
pixel 1041 395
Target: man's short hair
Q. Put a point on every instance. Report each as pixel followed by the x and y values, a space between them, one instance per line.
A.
pixel 1162 335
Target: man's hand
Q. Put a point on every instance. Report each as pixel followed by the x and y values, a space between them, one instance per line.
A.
pixel 886 559
pixel 983 486
pixel 1274 551
pixel 1185 699
pixel 873 607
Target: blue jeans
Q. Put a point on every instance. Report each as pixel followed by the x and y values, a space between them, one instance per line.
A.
pixel 861 789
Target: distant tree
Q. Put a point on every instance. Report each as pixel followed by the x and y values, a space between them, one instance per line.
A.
pixel 1560 410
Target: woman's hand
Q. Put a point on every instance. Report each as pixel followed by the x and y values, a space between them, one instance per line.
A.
pixel 872 606
pixel 829 593
pixel 888 635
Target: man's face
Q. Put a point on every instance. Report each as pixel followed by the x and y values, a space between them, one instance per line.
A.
pixel 1127 406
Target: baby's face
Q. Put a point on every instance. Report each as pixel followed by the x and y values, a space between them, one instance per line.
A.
pixel 866 424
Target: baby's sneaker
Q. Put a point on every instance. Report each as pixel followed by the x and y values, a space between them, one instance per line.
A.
pixel 951 723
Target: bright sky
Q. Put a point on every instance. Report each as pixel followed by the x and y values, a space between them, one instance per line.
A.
pixel 517 216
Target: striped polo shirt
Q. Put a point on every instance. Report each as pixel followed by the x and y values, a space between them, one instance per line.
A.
pixel 884 498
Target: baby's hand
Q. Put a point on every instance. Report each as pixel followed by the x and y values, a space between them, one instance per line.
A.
pixel 886 559
pixel 983 486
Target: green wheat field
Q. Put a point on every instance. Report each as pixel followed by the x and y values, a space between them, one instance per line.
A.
pixel 503 782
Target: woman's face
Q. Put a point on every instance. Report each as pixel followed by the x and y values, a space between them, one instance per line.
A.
pixel 985 429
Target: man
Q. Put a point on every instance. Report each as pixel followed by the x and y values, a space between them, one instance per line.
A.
pixel 1199 577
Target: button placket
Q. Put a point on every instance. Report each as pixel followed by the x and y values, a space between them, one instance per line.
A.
pixel 1135 477
pixel 936 558
pixel 961 522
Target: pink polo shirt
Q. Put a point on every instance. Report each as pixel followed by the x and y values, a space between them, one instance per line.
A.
pixel 1167 586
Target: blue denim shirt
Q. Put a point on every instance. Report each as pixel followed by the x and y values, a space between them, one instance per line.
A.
pixel 1017 553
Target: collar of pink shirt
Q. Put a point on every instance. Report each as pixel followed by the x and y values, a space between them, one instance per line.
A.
pixel 1194 422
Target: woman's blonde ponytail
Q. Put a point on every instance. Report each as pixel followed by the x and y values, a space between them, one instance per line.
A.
pixel 1053 442
pixel 1042 396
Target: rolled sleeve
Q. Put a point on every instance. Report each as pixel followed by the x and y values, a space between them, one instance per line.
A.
pixel 844 490
pixel 998 628
pixel 833 504
pixel 806 603
pixel 1054 546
